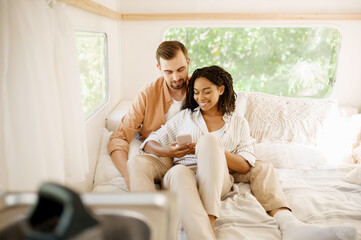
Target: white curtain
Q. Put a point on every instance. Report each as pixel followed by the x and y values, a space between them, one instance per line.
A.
pixel 42 129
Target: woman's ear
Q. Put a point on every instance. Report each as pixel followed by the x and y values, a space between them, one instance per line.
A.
pixel 221 89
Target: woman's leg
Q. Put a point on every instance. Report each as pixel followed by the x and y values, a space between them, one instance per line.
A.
pixel 182 180
pixel 213 177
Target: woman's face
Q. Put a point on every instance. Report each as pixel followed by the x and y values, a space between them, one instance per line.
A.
pixel 207 94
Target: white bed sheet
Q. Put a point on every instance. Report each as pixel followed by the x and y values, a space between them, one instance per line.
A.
pixel 318 196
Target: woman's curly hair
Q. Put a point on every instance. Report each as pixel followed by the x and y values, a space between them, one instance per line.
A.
pixel 218 76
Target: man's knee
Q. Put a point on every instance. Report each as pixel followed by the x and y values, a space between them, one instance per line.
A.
pixel 262 167
pixel 262 164
pixel 138 162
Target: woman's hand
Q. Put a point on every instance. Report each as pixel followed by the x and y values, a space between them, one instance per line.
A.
pixel 178 151
pixel 173 150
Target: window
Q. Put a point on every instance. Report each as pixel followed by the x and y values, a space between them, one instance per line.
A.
pixel 92 55
pixel 285 61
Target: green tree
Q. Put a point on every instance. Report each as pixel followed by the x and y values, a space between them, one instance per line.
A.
pixel 267 59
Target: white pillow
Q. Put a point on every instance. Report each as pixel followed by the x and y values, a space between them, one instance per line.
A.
pixel 241 103
pixel 285 119
pixel 290 155
pixel 115 117
pixel 354 176
pixel 341 136
pixel 107 178
pixel 347 111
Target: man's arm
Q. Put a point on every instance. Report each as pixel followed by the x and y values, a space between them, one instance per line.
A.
pixel 119 141
pixel 120 159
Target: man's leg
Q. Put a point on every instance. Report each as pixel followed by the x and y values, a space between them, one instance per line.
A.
pixel 144 169
pixel 293 229
pixel 265 186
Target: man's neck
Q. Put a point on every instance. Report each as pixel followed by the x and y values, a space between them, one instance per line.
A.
pixel 178 94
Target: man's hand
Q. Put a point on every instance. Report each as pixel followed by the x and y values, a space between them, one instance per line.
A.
pixel 120 159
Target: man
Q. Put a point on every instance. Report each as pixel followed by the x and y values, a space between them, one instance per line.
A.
pixel 160 101
pixel 155 104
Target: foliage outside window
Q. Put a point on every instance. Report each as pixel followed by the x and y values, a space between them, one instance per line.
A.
pixel 92 55
pixel 285 61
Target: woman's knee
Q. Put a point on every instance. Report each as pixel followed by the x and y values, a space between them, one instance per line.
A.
pixel 208 139
pixel 178 174
pixel 179 171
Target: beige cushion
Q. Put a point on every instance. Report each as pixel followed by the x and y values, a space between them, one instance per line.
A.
pixel 284 119
pixel 107 178
pixel 114 118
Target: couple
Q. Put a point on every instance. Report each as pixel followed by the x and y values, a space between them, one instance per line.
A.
pixel 221 153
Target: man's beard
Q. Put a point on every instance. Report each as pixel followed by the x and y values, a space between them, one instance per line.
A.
pixel 180 86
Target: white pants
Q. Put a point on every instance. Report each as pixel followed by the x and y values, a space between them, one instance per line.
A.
pixel 199 190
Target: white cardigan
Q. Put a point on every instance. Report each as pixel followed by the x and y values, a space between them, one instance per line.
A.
pixel 235 137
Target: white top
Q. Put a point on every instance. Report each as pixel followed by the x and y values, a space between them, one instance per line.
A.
pixel 174 109
pixel 218 133
pixel 235 137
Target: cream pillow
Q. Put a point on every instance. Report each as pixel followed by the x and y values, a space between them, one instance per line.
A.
pixel 284 119
pixel 241 103
pixel 290 155
pixel 354 176
pixel 107 178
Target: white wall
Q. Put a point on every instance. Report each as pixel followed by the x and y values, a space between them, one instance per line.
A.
pixel 85 21
pixel 141 38
pixel 348 77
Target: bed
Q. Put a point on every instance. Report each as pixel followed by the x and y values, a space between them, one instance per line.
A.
pixel 314 145
pixel 316 196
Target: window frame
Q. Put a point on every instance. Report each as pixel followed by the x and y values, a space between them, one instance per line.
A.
pixel 106 100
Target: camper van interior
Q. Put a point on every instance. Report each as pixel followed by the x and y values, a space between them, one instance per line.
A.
pixel 70 70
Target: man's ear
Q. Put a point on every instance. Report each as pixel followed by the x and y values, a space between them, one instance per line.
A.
pixel 188 61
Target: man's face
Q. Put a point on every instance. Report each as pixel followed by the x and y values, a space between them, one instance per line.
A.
pixel 175 70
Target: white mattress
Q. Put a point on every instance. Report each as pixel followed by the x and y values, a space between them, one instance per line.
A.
pixel 316 196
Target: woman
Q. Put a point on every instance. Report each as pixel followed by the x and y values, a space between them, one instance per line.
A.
pixel 222 142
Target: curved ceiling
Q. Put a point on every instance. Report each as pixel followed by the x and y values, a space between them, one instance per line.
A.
pixel 238 6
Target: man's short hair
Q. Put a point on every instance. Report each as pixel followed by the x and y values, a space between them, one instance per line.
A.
pixel 168 49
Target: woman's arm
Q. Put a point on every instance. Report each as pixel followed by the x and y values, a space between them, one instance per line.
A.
pixel 242 157
pixel 237 163
pixel 172 150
